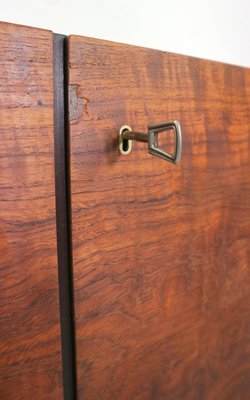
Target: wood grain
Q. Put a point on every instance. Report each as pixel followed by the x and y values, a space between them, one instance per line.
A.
pixel 161 253
pixel 30 358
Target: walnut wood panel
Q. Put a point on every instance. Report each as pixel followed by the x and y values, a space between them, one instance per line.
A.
pixel 161 252
pixel 30 356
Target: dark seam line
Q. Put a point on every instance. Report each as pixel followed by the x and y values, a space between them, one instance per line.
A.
pixel 64 245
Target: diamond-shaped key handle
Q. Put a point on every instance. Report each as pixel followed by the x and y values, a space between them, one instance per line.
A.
pixel 127 135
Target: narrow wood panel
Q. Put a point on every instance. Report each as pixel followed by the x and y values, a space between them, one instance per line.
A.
pixel 30 356
pixel 161 253
pixel 63 218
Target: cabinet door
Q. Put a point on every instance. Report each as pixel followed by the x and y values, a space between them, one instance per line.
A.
pixel 161 252
pixel 30 346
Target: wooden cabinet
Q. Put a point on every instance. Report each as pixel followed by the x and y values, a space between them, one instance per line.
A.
pixel 161 252
pixel 30 340
pixel 154 257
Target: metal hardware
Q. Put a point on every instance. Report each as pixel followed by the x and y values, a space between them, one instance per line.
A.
pixel 126 136
pixel 125 145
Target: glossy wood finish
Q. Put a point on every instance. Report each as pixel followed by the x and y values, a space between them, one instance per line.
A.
pixel 30 344
pixel 161 253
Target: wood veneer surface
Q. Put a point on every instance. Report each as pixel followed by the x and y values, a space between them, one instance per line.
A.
pixel 30 359
pixel 161 252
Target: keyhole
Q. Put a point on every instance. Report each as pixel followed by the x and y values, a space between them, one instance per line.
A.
pixel 125 145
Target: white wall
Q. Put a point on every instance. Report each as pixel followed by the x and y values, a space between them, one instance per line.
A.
pixel 213 29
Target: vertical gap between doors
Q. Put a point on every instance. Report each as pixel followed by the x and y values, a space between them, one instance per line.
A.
pixel 64 245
